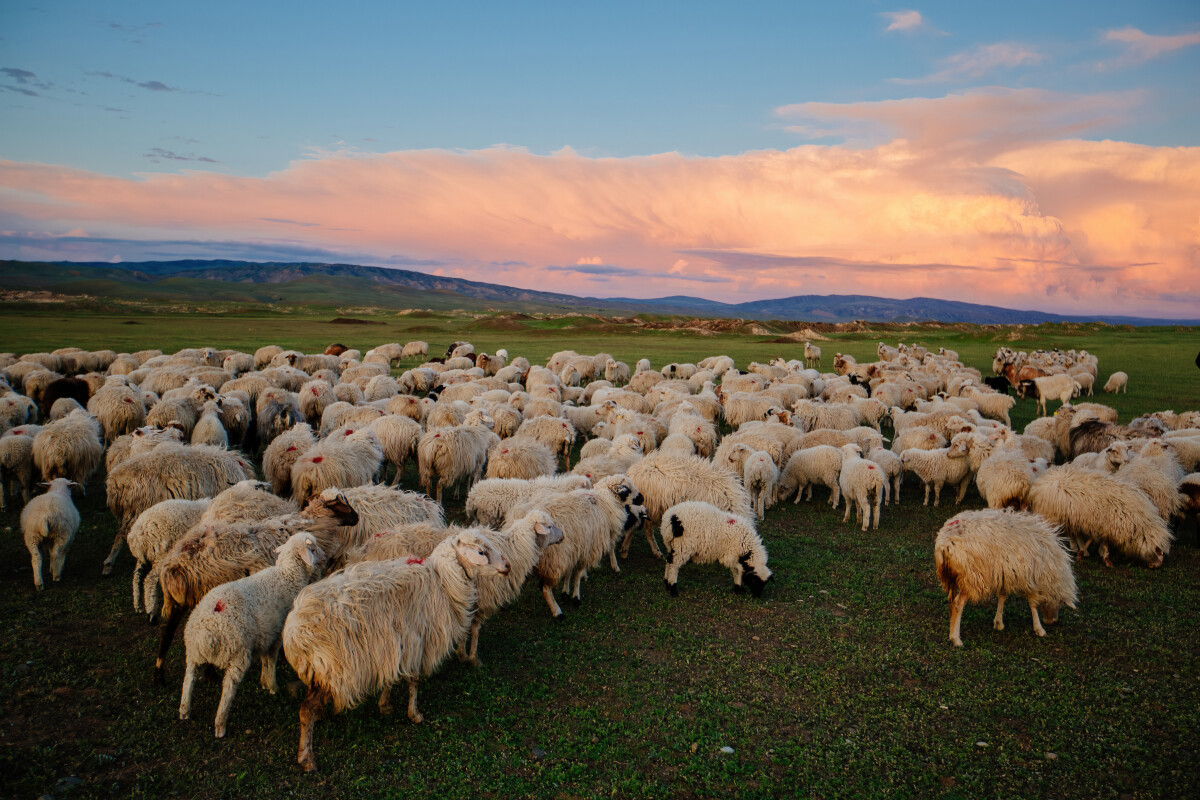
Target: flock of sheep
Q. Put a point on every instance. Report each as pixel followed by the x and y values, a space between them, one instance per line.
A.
pixel 363 584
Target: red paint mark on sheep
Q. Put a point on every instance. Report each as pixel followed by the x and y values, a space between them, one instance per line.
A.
pixel 219 607
pixel 292 449
pixel 414 560
pixel 318 459
pixel 731 522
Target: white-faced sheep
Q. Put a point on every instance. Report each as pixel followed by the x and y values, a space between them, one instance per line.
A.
pixel 379 622
pixel 1117 382
pixel 209 429
pixel 700 532
pixel 812 355
pixel 861 482
pixel 490 500
pixel 984 554
pixel 945 466
pixel 238 620
pixel 1061 387
pixel 666 480
pixel 893 472
pixel 50 520
pixel 812 466
pixel 1094 507
pixel 69 448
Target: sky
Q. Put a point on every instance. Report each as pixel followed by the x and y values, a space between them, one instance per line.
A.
pixel 1030 155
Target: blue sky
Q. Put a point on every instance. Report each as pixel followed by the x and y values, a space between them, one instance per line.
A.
pixel 668 148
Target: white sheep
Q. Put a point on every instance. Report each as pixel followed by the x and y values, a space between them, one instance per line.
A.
pixel 69 448
pixel 378 622
pixel 1004 479
pixel 151 537
pixel 341 462
pixel 812 355
pixel 760 476
pixel 209 429
pixel 282 454
pixel 861 480
pixel 1117 382
pixel 448 455
pixel 16 465
pixel 993 553
pixel 701 532
pixel 50 519
pixel 813 466
pixel 489 501
pixel 1061 387
pixel 397 435
pixel 238 620
pixel 945 466
pixel 893 472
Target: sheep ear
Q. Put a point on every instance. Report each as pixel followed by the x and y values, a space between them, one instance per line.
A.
pixel 312 553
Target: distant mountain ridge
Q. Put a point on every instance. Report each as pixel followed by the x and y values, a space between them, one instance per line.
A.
pixel 64 275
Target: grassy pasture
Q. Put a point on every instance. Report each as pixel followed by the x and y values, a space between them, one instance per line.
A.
pixel 839 682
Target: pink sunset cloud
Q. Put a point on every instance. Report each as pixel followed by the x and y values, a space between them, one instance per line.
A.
pixel 958 197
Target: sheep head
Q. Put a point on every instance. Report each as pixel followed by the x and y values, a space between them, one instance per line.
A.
pixel 477 556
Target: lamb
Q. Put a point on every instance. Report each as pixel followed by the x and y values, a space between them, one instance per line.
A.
pixel 860 479
pixel 1094 507
pixel 282 454
pixel 170 470
pixel 813 466
pixel 238 620
pixel 760 476
pixel 700 532
pixel 1061 387
pixel 489 500
pixel 520 457
pixel 945 466
pixel 69 448
pixel 985 554
pixel 50 519
pixel 1108 460
pixel 893 472
pixel 447 455
pixel 375 623
pixel 16 466
pixel 1117 382
pixel 343 462
pixel 209 429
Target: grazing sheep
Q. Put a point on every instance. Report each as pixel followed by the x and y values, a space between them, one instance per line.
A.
pixel 412 349
pixel 918 437
pixel 352 460
pixel 813 466
pixel 169 470
pixel 448 455
pixel 519 457
pixel 50 519
pixel 557 434
pixel 378 622
pixel 238 620
pixel 313 398
pixel 282 454
pixel 860 480
pixel 69 448
pixel 490 500
pixel 1061 387
pixel 984 554
pixel 1094 507
pixel 16 466
pixel 700 532
pixel 378 508
pixel 1117 382
pixel 1156 472
pixel 992 405
pixel 945 466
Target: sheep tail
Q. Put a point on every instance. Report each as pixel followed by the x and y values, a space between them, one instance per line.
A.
pixel 947 575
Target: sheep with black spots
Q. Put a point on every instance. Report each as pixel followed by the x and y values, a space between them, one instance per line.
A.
pixel 702 533
pixel 238 620
pixel 1094 507
pixel 50 520
pixel 861 481
pixel 984 554
pixel 376 623
pixel 69 448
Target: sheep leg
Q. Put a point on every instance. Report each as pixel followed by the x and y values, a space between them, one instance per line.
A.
pixel 311 710
pixel 937 493
pixel 1104 555
pixel 413 714
pixel 577 579
pixel 267 679
pixel 1037 620
pixel 849 505
pixel 962 491
pixel 117 544
pixel 875 524
pixel 998 622
pixel 671 577
pixel 233 678
pixel 625 542
pixel 612 560
pixel 650 539
pixel 35 556
pixel 164 643
pixel 189 683
pixel 139 570
pixel 926 495
pixel 548 593
pixel 887 492
pixel 835 494
pixel 957 603
pixel 896 487
pixel 58 557
pixel 864 511
pixel 473 656
pixel 385 700
pixel 151 594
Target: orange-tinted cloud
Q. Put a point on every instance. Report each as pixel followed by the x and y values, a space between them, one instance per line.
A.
pixel 964 200
pixel 1141 46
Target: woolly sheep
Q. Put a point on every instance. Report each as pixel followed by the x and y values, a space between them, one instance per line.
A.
pixel 760 476
pixel 983 554
pixel 1117 382
pixel 1156 472
pixel 700 532
pixel 812 466
pixel 342 462
pixel 313 398
pixel 1094 507
pixel 666 480
pixel 448 455
pixel 62 407
pixel 282 454
pixel 1004 479
pixel 520 457
pixel 676 443
pixel 151 537
pixel 209 429
pixel 16 466
pixel 918 437
pixel 620 455
pixel 69 448
pixel 50 520
pixel 397 436
pixel 238 620
pixel 859 481
pixel 992 405
pixel 1061 387
pixel 375 623
pixel 557 434
pixel 945 466
pixel 490 500
pixel 812 355
pixel 893 472
pixel 377 508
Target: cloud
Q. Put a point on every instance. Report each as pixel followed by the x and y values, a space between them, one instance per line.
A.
pixel 1141 46
pixel 158 154
pixel 290 222
pixel 964 197
pixel 908 22
pixel 979 61
pixel 26 82
pixel 150 85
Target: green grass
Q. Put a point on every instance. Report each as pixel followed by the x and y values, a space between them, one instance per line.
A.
pixel 840 682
